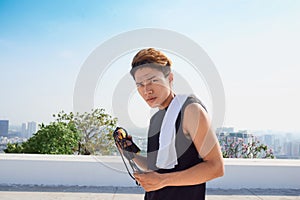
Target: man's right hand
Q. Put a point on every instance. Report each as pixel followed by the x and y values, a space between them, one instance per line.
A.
pixel 125 144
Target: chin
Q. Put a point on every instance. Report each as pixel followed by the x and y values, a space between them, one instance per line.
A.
pixel 153 105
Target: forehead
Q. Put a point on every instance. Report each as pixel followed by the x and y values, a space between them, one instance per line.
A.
pixel 146 73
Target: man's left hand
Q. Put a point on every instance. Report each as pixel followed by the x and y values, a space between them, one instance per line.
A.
pixel 150 181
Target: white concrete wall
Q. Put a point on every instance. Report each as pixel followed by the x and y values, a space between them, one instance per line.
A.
pixel 259 173
pixel 109 171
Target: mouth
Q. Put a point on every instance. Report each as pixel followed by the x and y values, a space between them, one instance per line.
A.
pixel 150 100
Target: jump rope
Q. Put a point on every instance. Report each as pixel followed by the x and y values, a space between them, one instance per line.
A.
pixel 121 140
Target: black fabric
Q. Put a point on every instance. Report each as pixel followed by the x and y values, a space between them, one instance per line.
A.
pixel 187 157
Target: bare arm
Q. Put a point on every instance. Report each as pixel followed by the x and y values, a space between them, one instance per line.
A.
pixel 197 125
pixel 141 161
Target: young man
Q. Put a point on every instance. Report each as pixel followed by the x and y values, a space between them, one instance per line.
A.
pixel 198 156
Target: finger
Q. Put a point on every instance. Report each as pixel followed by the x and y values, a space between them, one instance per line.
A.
pixel 137 175
pixel 128 142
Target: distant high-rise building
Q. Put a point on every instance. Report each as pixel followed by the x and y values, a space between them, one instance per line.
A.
pixel 289 137
pixel 287 148
pixel 277 146
pixel 295 148
pixel 4 127
pixel 269 140
pixel 228 137
pixel 236 136
pixel 24 130
pixel 224 130
pixel 31 129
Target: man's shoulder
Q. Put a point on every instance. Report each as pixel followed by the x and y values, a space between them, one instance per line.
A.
pixel 193 102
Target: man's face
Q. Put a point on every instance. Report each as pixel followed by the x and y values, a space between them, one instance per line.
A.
pixel 153 86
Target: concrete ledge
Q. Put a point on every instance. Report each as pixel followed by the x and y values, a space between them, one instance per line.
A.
pixel 259 173
pixel 73 170
pixel 139 190
pixel 66 170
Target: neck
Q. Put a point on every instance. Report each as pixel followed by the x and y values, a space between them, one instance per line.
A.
pixel 167 102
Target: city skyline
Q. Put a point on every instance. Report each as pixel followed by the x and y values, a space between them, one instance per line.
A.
pixel 135 130
pixel 254 46
pixel 283 146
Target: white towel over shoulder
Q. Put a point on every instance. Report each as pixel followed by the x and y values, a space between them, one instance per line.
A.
pixel 167 156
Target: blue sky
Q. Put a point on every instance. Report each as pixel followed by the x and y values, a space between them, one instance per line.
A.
pixel 254 45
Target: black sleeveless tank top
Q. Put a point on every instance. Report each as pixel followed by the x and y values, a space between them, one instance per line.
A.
pixel 187 157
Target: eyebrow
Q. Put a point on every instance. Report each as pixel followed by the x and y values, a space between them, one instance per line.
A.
pixel 146 79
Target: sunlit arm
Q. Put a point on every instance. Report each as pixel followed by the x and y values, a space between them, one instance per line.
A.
pixel 141 161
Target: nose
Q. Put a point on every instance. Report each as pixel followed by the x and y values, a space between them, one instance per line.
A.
pixel 147 90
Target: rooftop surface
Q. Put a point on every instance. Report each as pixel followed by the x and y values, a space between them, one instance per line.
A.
pixel 31 192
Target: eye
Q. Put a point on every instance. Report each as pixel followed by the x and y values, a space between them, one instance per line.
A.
pixel 154 80
pixel 139 85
